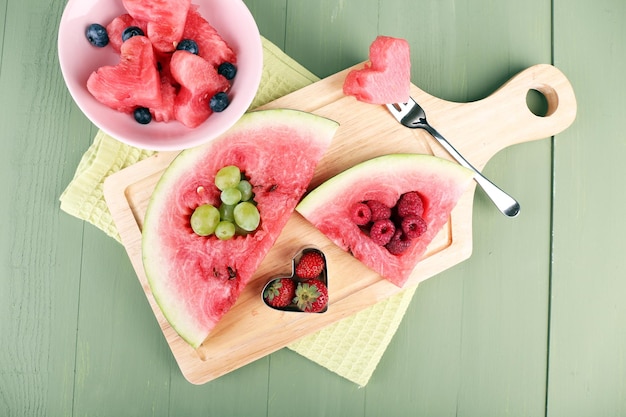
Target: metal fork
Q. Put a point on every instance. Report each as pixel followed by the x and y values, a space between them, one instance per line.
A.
pixel 412 115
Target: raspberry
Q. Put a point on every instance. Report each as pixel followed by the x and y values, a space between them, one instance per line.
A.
pixel 413 226
pixel 410 204
pixel 379 210
pixel 311 265
pixel 399 243
pixel 382 231
pixel 360 214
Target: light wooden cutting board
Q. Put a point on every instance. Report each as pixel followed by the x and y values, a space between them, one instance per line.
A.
pixel 478 130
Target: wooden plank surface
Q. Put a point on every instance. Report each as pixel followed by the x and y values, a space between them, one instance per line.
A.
pixel 530 325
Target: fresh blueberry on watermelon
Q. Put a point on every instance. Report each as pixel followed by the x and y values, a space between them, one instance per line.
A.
pixel 97 35
pixel 117 26
pixel 131 31
pixel 228 70
pixel 188 45
pixel 142 115
pixel 219 102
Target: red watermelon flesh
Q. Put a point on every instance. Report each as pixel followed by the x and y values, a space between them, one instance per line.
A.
pixel 387 78
pixel 116 86
pixel 199 82
pixel 165 111
pixel 211 46
pixel 440 183
pixel 165 20
pixel 196 280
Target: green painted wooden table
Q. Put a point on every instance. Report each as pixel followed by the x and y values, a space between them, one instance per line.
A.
pixel 531 325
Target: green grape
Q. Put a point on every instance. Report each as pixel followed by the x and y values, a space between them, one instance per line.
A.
pixel 225 230
pixel 246 190
pixel 204 219
pixel 226 212
pixel 231 196
pixel 247 216
pixel 227 177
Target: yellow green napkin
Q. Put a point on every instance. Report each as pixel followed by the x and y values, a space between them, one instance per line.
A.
pixel 351 347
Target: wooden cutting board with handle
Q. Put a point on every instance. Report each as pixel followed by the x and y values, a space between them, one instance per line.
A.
pixel 478 130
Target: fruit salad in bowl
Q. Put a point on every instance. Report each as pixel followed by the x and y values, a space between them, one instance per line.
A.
pixel 161 74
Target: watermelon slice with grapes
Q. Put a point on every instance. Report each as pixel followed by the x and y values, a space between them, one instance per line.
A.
pixel 439 183
pixel 197 279
pixel 387 77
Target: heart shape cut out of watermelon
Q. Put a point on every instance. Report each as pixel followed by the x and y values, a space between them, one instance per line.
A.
pixel 387 77
pixel 281 292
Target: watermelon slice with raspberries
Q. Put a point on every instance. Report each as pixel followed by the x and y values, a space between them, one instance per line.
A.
pixel 387 76
pixel 197 279
pixel 385 179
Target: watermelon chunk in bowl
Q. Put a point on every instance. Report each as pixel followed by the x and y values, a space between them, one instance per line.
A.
pixel 79 59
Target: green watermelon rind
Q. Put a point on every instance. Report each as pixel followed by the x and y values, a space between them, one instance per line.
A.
pixel 315 130
pixel 385 178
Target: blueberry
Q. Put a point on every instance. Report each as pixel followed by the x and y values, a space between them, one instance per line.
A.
pixel 142 115
pixel 188 45
pixel 219 102
pixel 228 70
pixel 97 35
pixel 131 31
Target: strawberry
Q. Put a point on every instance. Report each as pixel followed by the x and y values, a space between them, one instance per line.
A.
pixel 311 296
pixel 280 292
pixel 311 265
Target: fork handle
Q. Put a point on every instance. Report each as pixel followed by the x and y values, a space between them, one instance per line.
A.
pixel 504 202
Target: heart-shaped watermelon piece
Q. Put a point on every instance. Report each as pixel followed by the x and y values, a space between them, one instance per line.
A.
pixel 387 77
pixel 199 81
pixel 116 85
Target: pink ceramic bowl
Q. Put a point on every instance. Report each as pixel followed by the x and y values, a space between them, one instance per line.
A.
pixel 78 59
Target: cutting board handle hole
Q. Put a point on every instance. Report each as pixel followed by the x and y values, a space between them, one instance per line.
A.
pixel 542 101
pixel 537 103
